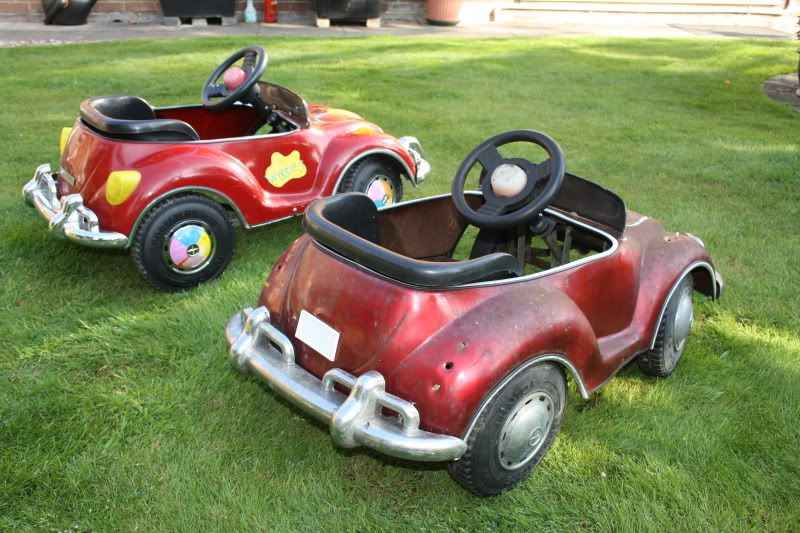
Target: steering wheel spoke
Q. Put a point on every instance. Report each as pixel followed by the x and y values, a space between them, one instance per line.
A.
pixel 492 208
pixel 540 171
pixel 216 90
pixel 490 159
pixel 249 62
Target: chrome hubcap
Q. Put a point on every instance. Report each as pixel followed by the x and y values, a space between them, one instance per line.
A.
pixel 188 247
pixel 380 191
pixel 525 430
pixel 684 318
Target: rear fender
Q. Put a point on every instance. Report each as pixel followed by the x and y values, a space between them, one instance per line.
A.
pixel 449 376
pixel 194 170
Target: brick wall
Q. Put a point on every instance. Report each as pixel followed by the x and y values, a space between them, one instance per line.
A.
pixel 146 11
pixel 20 7
pixel 34 7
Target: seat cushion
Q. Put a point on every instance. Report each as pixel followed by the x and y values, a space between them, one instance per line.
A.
pixel 348 225
pixel 132 118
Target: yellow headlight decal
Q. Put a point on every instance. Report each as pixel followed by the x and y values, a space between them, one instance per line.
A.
pixel 62 142
pixel 363 130
pixel 120 185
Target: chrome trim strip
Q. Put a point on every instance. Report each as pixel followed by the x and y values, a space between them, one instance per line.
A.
pixel 354 419
pixel 562 268
pixel 425 199
pixel 235 139
pixel 67 217
pixel 367 153
pixel 697 239
pixel 686 271
pixel 191 188
pixel 642 219
pixel 560 359
pixel 269 222
pixel 290 120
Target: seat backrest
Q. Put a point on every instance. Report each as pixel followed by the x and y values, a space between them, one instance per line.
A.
pixel 132 118
pixel 348 225
pixel 123 107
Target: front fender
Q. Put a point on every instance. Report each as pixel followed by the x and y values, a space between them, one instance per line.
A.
pixel 449 375
pixel 667 258
pixel 346 150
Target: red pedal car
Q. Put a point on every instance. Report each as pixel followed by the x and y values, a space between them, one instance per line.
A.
pixel 373 323
pixel 167 182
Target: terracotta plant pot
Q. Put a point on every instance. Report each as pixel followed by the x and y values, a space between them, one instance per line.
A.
pixel 443 12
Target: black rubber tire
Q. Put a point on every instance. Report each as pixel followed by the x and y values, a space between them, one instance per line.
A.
pixel 479 469
pixel 149 241
pixel 664 357
pixel 361 175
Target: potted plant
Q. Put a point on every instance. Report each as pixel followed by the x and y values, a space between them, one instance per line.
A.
pixel 443 12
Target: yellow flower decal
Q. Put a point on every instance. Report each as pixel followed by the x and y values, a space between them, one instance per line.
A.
pixel 284 168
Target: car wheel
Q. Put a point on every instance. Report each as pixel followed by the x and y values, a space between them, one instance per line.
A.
pixel 182 242
pixel 377 179
pixel 672 332
pixel 513 431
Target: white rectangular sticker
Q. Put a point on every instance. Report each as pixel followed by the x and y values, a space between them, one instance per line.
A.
pixel 317 335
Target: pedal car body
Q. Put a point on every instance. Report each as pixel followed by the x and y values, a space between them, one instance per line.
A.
pixel 258 156
pixel 370 322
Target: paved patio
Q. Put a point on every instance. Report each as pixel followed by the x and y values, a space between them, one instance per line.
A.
pixel 32 33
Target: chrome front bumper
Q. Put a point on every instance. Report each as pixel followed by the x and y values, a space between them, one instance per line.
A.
pixel 68 218
pixel 413 147
pixel 354 419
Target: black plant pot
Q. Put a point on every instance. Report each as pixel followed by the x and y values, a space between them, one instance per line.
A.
pixel 67 12
pixel 198 8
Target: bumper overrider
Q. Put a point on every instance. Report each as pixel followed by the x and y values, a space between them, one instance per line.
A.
pixel 354 419
pixel 414 148
pixel 68 218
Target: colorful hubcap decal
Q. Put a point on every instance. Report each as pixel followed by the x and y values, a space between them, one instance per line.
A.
pixel 380 191
pixel 189 247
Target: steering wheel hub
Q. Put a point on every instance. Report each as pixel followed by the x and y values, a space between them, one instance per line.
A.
pixel 234 77
pixel 508 180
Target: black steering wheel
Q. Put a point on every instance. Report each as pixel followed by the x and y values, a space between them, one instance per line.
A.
pixel 515 190
pixel 219 95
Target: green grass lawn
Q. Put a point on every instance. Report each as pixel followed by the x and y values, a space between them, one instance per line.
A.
pixel 119 411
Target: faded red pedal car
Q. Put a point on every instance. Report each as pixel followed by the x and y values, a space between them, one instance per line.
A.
pixel 168 182
pixel 374 324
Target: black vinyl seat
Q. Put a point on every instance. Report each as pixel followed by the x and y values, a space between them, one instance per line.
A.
pixel 348 225
pixel 132 118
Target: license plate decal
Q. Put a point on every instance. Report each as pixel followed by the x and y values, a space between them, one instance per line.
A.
pixel 317 335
